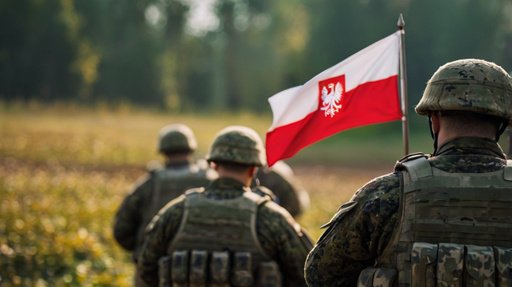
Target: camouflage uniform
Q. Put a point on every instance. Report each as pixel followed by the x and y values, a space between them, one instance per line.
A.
pixel 281 181
pixel 139 207
pixel 361 233
pixel 158 187
pixel 279 236
pixel 362 227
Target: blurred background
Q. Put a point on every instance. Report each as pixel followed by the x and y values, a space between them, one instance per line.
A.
pixel 86 85
pixel 196 55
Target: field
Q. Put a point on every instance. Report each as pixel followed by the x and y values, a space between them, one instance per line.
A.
pixel 64 170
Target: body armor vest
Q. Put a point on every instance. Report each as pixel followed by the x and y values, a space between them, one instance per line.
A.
pixel 217 245
pixel 455 229
pixel 168 184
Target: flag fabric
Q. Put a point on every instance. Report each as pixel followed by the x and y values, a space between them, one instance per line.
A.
pixel 361 90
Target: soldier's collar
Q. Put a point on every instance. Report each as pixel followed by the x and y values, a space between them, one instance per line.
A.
pixel 471 145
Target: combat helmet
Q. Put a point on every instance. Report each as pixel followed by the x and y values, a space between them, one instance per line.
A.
pixel 237 144
pixel 176 138
pixel 469 85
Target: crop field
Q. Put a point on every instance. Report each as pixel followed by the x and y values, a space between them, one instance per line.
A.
pixel 64 170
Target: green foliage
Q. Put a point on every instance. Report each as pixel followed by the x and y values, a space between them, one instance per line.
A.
pixel 147 53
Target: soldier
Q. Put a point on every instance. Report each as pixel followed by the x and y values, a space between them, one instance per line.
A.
pixel 437 220
pixel 288 192
pixel 225 235
pixel 177 144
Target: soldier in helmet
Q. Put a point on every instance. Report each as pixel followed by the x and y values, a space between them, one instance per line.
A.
pixel 287 190
pixel 437 220
pixel 177 144
pixel 225 234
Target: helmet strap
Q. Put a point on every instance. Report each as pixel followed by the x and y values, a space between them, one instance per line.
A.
pixel 433 134
pixel 501 129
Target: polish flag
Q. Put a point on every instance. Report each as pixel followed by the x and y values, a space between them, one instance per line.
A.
pixel 361 90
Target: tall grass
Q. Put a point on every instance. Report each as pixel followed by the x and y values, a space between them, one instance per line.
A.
pixel 65 169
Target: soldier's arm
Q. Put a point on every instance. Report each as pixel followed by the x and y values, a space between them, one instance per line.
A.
pixel 282 238
pixel 356 235
pixel 129 217
pixel 159 234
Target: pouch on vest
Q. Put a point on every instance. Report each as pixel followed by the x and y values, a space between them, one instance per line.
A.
pixel 219 269
pixel 198 264
pixel 179 268
pixel 242 269
pixel 449 264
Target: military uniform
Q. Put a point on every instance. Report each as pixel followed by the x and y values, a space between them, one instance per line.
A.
pixel 288 192
pixel 161 184
pixel 279 235
pixel 361 230
pixel 226 218
pixel 440 220
pixel 151 193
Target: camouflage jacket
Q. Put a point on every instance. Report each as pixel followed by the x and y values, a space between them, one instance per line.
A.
pixel 133 214
pixel 361 229
pixel 279 235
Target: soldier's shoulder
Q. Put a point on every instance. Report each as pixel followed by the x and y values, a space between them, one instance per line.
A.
pixel 378 186
pixel 413 159
pixel 264 192
pixel 379 195
pixel 143 184
pixel 193 192
pixel 170 212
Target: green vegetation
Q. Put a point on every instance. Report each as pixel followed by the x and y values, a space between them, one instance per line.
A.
pixel 64 170
pixel 153 53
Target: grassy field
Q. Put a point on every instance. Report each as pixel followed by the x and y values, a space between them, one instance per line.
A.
pixel 64 170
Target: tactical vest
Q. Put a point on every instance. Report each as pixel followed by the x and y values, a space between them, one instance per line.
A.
pixel 455 229
pixel 217 245
pixel 168 184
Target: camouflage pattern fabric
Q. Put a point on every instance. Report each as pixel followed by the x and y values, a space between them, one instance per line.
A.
pixel 279 235
pixel 469 85
pixel 362 228
pixel 237 144
pixel 288 191
pixel 176 138
pixel 131 218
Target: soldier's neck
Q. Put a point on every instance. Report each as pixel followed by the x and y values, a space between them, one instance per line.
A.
pixel 244 178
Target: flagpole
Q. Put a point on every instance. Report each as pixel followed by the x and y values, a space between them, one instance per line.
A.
pixel 403 84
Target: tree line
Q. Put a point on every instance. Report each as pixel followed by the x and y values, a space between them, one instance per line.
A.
pixel 150 52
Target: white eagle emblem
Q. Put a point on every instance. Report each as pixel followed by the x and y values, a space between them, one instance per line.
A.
pixel 331 98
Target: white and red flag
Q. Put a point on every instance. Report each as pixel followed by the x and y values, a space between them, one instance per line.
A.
pixel 361 90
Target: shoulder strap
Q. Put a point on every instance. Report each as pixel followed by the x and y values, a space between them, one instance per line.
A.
pixel 414 167
pixel 258 199
pixel 418 168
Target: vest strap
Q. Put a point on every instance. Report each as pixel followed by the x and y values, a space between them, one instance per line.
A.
pixel 418 168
